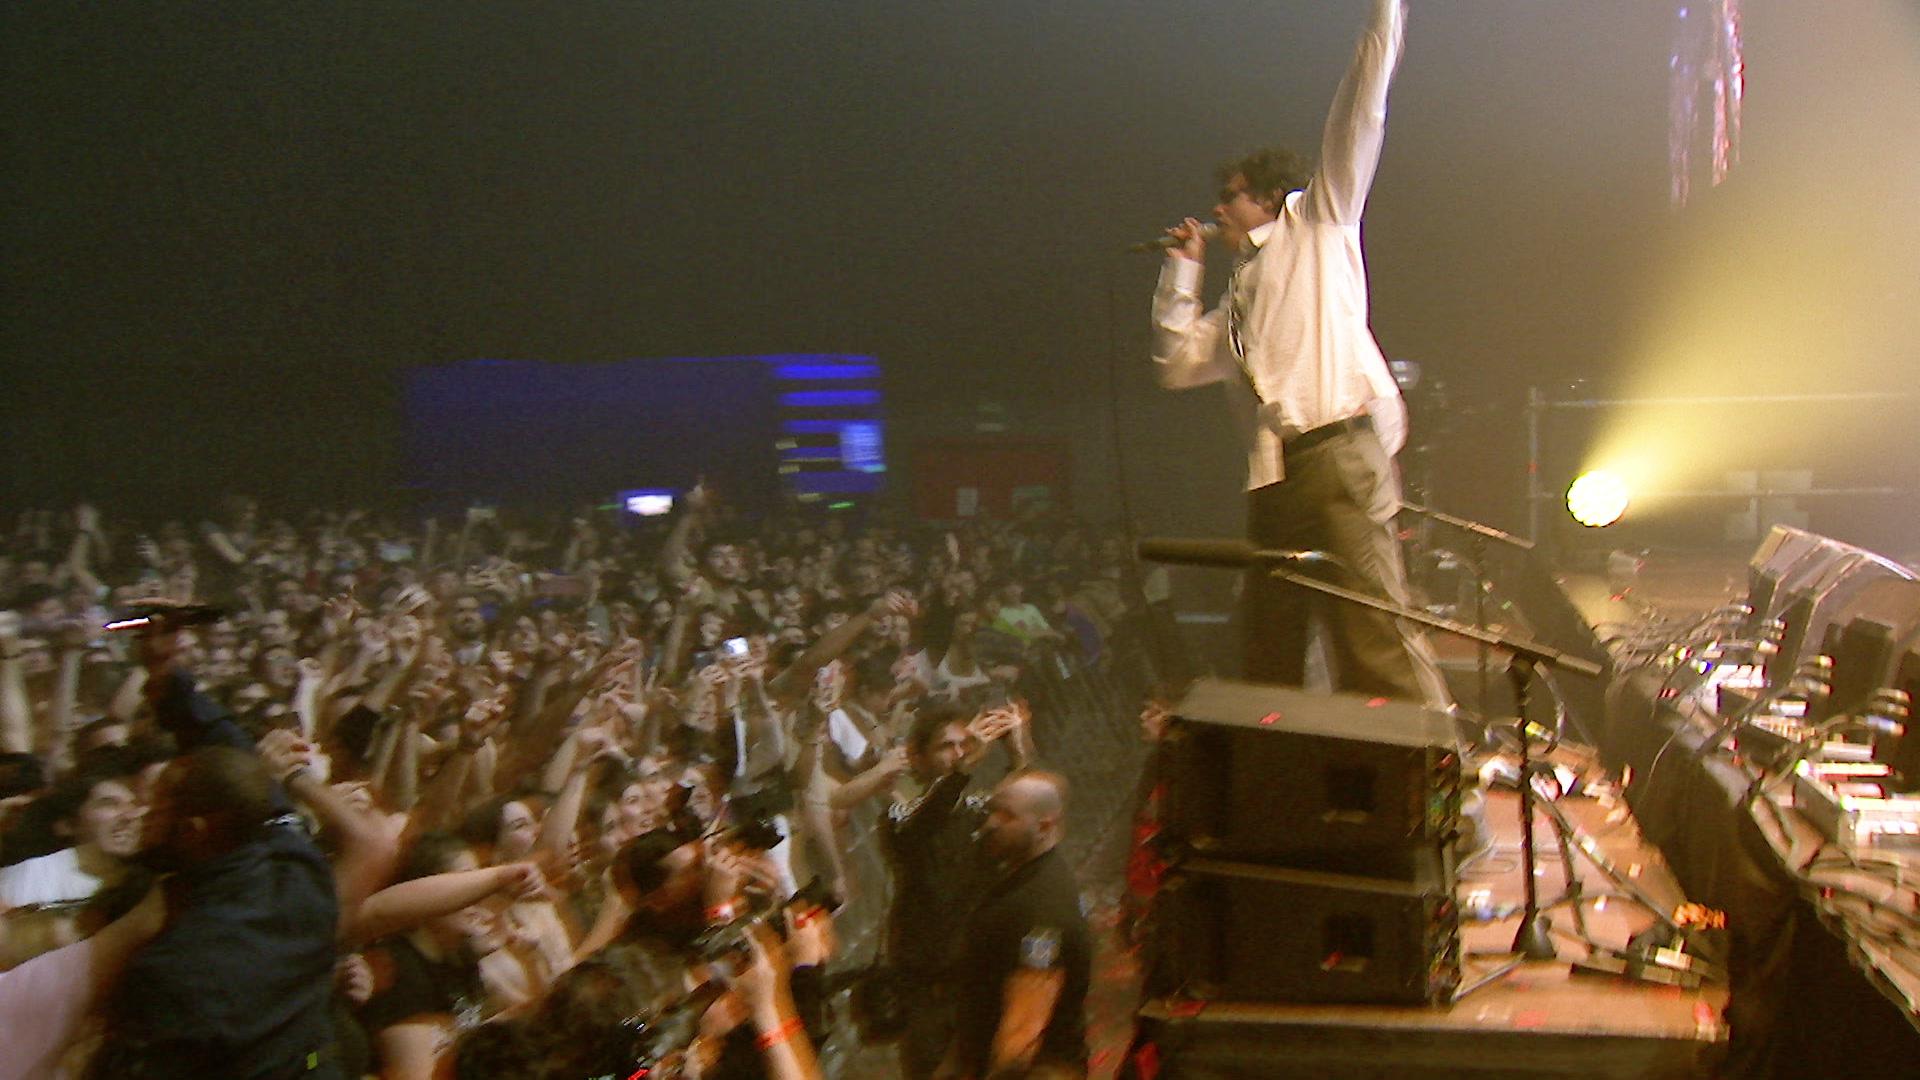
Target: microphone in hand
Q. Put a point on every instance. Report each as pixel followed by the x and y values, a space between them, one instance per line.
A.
pixel 1208 230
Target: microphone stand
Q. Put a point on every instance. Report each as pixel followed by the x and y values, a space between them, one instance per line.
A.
pixel 1524 655
pixel 1531 942
pixel 1477 536
pixel 1532 651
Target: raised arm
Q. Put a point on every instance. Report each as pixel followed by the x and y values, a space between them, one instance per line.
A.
pixel 1006 725
pixel 59 989
pixel 87 538
pixel 125 704
pixel 766 735
pixel 221 544
pixel 87 520
pixel 786 1051
pixel 368 850
pixel 793 680
pixel 875 779
pixel 408 643
pixel 1357 123
pixel 439 800
pixel 608 925
pixel 675 553
pixel 580 750
pixel 306 695
pixel 410 903
pixel 16 715
pixel 179 708
pixel 72 641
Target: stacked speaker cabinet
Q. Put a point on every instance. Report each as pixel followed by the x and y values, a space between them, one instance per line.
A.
pixel 1310 838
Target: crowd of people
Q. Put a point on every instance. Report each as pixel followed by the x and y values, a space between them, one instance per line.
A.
pixel 341 795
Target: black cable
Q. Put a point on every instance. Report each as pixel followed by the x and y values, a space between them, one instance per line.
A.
pixel 1653 717
pixel 1120 482
pixel 1157 644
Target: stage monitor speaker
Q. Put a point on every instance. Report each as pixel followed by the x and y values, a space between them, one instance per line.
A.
pixel 1815 602
pixel 1879 619
pixel 1786 552
pixel 1332 782
pixel 1901 753
pixel 1244 932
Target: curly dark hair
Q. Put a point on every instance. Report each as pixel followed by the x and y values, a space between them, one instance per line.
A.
pixel 497 1049
pixel 932 718
pixel 1269 173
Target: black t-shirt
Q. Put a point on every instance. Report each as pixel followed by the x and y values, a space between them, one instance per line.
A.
pixel 240 980
pixel 1029 919
pixel 409 985
pixel 936 871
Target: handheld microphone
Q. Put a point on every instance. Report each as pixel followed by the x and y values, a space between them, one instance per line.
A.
pixel 1232 553
pixel 1208 231
pixel 145 616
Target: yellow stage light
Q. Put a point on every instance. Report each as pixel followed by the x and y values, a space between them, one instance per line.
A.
pixel 1597 499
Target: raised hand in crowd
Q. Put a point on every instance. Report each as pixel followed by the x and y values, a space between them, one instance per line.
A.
pixel 391 692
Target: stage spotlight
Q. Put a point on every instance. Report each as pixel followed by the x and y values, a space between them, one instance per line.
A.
pixel 1597 499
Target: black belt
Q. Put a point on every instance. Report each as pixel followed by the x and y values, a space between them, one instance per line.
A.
pixel 1313 437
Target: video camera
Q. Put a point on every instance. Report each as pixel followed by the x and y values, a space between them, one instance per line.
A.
pixel 725 947
pixel 651 1045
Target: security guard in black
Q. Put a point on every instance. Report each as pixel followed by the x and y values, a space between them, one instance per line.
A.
pixel 1027 920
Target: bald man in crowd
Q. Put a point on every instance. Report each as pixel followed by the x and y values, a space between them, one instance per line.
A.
pixel 1025 954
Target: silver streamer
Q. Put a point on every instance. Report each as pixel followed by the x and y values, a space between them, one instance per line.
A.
pixel 1707 81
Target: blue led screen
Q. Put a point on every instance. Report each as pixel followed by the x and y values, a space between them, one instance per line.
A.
pixel 527 432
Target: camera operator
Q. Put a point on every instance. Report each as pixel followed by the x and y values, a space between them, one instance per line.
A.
pixel 707 908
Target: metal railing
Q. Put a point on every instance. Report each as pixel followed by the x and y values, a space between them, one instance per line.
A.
pixel 1539 405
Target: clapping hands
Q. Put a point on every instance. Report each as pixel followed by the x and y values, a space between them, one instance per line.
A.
pixel 994 723
pixel 285 753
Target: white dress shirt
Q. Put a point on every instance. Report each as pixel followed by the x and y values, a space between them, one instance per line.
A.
pixel 1309 355
pixel 48 879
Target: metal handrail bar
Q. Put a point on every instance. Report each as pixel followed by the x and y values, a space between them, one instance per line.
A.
pixel 1538 405
pixel 1728 493
pixel 1740 399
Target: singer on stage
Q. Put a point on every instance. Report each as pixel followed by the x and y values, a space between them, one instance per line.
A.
pixel 1307 386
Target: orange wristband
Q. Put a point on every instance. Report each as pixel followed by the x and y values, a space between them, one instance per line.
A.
pixel 788 1028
